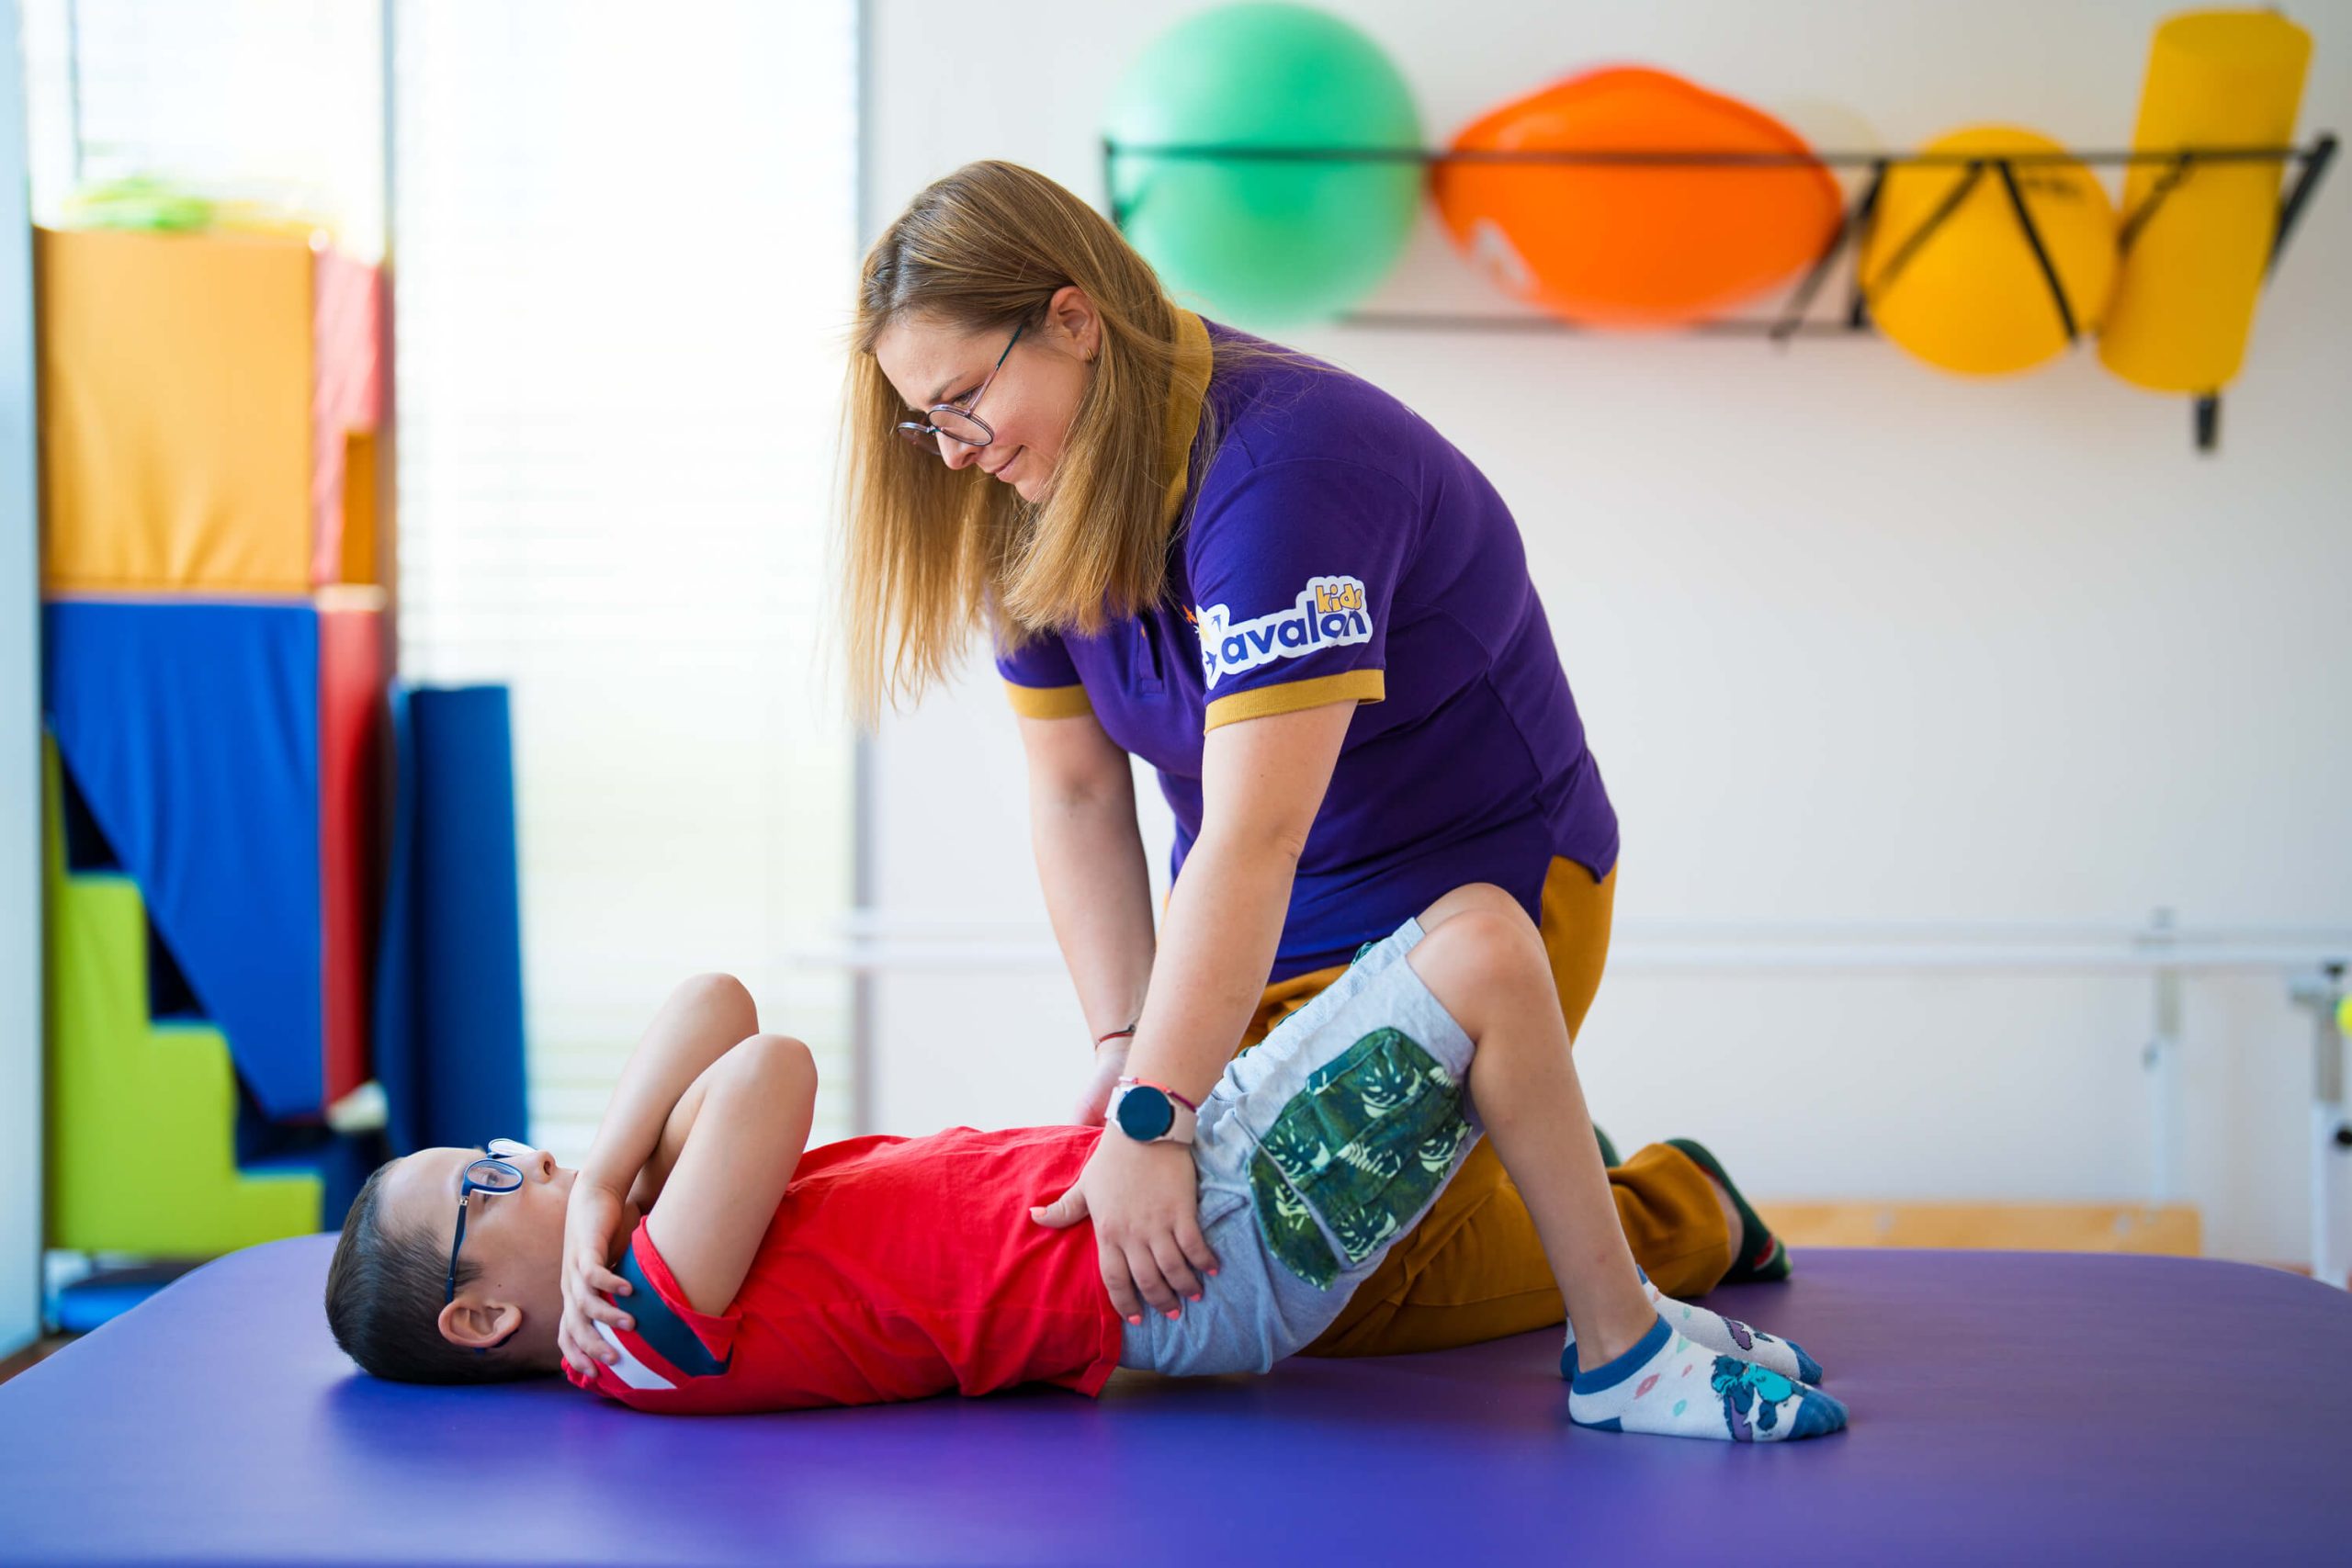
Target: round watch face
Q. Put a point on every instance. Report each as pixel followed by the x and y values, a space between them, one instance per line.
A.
pixel 1145 1113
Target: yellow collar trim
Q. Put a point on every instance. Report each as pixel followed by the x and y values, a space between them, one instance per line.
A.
pixel 1185 399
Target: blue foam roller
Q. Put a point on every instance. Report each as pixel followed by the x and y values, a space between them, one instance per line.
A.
pixel 191 731
pixel 449 973
pixel 101 1297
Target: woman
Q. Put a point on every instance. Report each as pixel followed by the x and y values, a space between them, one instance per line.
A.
pixel 1312 615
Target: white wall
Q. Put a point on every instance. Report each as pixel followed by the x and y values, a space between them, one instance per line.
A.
pixel 1854 639
pixel 20 934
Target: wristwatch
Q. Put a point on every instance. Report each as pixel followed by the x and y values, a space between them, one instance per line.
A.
pixel 1152 1113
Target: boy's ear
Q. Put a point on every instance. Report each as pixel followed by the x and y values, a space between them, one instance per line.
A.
pixel 479 1325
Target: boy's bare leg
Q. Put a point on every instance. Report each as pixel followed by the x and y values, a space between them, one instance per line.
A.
pixel 1483 961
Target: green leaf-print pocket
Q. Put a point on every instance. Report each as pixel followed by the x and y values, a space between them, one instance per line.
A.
pixel 1364 1145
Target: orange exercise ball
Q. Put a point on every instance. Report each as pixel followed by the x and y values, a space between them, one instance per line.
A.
pixel 1635 244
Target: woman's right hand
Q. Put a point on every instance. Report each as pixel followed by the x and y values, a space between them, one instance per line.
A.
pixel 1110 1062
pixel 594 1221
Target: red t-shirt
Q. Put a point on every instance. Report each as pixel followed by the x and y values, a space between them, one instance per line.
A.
pixel 895 1269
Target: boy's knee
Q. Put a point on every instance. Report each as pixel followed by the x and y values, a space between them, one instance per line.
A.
pixel 1473 898
pixel 1480 951
pixel 1493 932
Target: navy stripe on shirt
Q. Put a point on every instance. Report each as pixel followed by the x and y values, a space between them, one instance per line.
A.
pixel 661 1327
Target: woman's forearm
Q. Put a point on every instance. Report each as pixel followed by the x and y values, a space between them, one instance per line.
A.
pixel 1263 781
pixel 1225 921
pixel 1098 892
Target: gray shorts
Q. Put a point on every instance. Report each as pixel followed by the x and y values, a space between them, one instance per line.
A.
pixel 1316 1152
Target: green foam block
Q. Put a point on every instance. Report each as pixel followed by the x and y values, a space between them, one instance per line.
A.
pixel 142 1116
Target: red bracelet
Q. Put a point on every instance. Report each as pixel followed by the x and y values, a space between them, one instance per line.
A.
pixel 1102 1040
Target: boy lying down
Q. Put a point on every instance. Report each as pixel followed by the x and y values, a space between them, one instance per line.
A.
pixel 740 1270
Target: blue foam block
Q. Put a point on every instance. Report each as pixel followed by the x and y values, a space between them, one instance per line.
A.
pixel 191 730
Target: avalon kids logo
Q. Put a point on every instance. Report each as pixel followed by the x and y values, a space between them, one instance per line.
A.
pixel 1330 613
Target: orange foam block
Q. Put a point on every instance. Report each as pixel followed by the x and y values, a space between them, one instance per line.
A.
pixel 200 396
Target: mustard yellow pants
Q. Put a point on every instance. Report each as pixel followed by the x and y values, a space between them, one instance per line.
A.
pixel 1474 1269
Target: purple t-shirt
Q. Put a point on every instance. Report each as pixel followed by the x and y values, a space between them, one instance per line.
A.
pixel 1337 547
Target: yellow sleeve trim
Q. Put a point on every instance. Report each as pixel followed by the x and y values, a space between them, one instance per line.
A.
pixel 1355 686
pixel 1048 702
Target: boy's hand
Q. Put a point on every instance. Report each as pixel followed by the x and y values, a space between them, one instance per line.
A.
pixel 591 1225
pixel 1094 1100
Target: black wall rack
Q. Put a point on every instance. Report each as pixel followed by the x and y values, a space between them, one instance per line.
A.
pixel 2308 163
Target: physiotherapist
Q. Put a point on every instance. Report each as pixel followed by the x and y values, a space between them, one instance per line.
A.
pixel 1312 615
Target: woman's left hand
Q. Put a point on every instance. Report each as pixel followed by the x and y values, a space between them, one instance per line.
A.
pixel 1147 1223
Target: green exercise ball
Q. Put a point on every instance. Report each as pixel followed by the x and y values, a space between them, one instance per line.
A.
pixel 1265 243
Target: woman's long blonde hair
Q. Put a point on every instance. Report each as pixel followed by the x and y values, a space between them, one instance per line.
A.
pixel 932 552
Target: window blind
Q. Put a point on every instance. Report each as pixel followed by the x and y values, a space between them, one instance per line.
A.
pixel 626 248
pixel 278 101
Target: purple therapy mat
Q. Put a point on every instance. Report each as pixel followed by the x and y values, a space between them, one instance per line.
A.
pixel 2009 1408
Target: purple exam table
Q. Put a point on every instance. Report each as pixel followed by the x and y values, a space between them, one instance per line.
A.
pixel 2008 1408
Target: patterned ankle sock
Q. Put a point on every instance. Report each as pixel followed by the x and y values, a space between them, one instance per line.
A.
pixel 1669 1385
pixel 1763 1257
pixel 1723 1336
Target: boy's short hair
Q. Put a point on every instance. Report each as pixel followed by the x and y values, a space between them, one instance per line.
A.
pixel 384 1300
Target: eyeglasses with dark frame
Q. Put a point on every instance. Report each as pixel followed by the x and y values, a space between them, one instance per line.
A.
pixel 494 1173
pixel 958 423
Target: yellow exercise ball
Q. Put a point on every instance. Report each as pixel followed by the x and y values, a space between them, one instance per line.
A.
pixel 1970 295
pixel 2184 305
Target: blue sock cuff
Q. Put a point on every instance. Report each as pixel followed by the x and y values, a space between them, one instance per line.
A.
pixel 1610 1374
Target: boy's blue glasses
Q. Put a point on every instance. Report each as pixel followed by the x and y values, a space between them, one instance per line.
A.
pixel 491 1174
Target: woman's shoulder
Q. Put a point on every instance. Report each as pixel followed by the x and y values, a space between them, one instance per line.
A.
pixel 1269 404
pixel 1277 402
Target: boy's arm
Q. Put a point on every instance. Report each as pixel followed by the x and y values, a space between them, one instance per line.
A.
pixel 656 1171
pixel 702 1020
pixel 644 1123
pixel 737 1155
